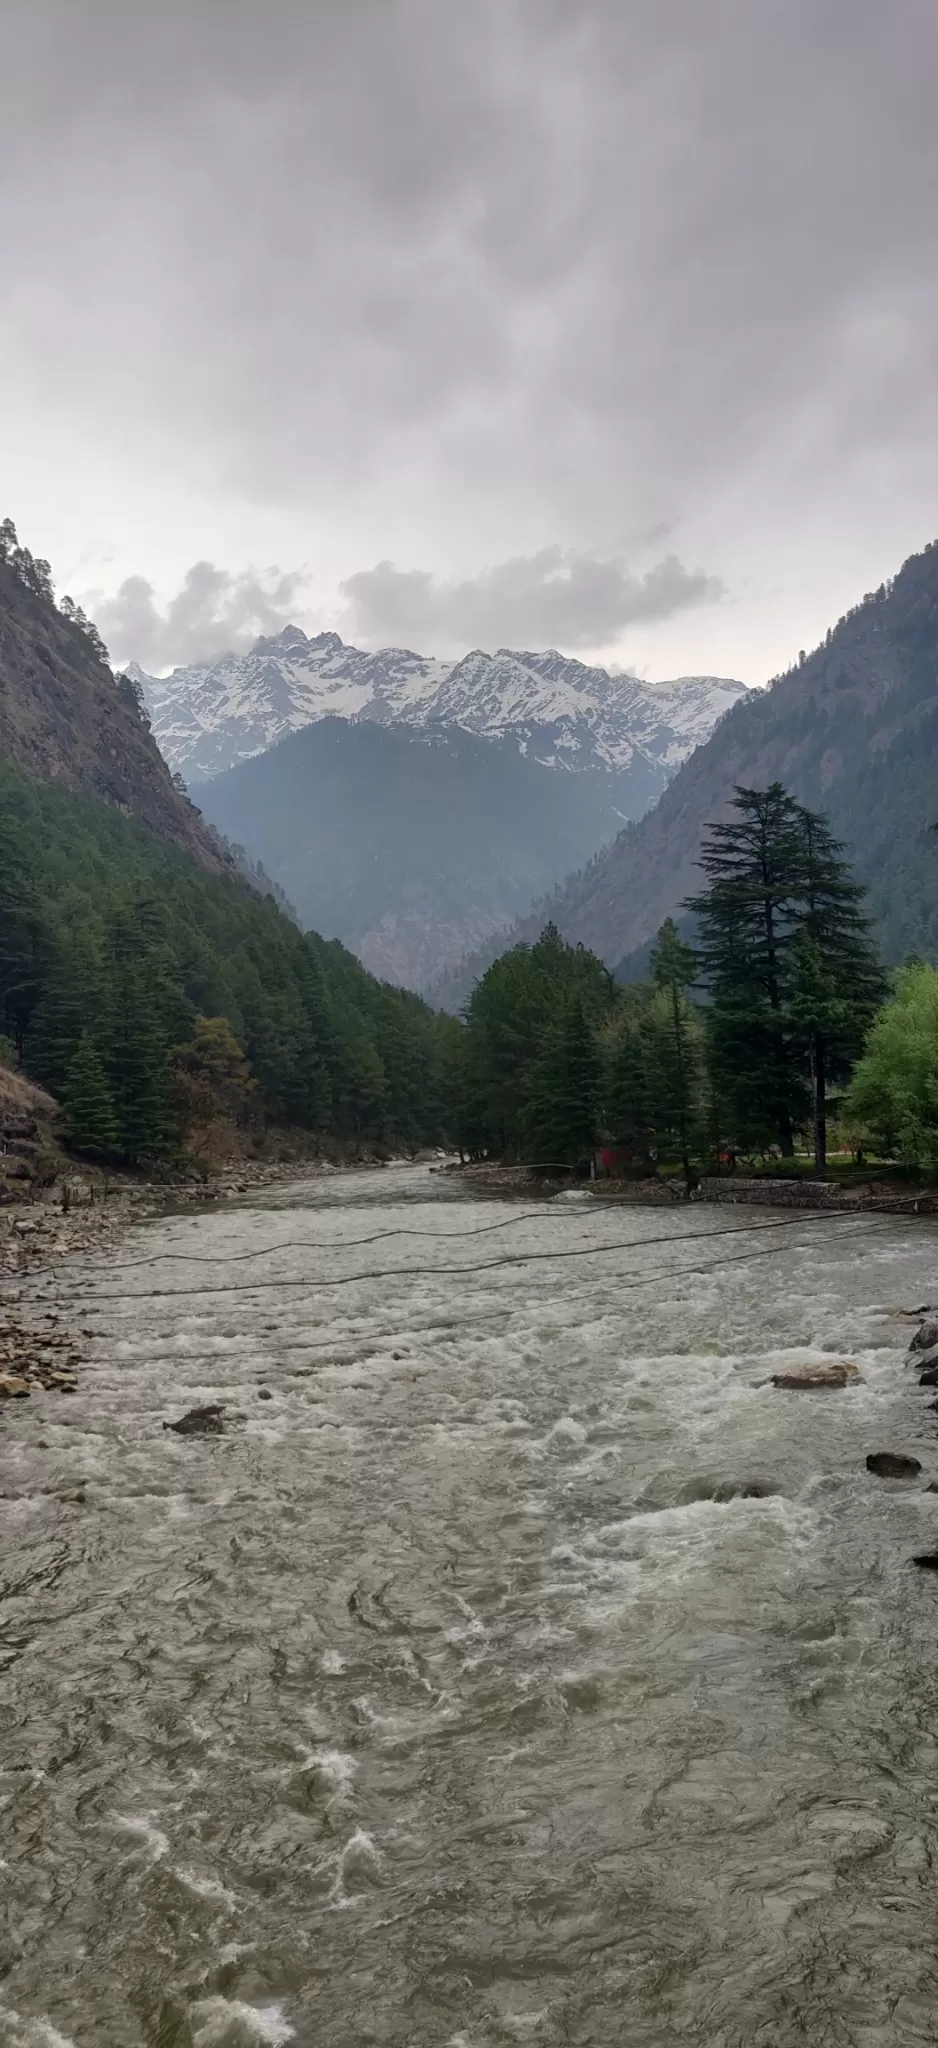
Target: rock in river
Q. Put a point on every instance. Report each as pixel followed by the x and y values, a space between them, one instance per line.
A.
pixel 926 1338
pixel 892 1465
pixel 206 1421
pixel 836 1373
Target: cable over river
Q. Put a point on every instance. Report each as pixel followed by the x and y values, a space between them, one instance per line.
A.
pixel 518 1666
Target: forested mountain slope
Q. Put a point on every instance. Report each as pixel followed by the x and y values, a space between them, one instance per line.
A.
pixel 409 846
pixel 65 718
pixel 852 730
pixel 141 979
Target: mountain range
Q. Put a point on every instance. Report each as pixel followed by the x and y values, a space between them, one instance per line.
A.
pixel 561 712
pixel 851 730
pixel 411 807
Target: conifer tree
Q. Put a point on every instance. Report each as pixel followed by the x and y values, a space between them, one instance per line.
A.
pixel 629 1117
pixel 754 867
pixel 562 1115
pixel 674 971
pixel 837 983
pixel 90 1123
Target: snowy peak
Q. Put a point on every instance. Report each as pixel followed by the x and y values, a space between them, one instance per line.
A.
pixel 563 712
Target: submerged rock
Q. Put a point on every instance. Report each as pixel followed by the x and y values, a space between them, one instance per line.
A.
pixel 805 1378
pixel 893 1465
pixel 205 1421
pixel 928 1561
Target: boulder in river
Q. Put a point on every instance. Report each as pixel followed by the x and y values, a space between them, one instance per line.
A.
pixel 893 1465
pixel 927 1561
pixel 205 1421
pixel 836 1372
pixel 925 1338
pixel 929 1378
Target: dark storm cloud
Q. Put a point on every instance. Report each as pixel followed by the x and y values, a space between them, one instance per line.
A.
pixel 211 613
pixel 530 272
pixel 568 600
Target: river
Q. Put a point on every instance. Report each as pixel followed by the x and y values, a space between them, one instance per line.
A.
pixel 519 1666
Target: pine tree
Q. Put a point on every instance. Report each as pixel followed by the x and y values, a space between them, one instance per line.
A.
pixel 24 936
pixel 754 865
pixel 674 971
pixel 837 982
pixel 137 1065
pixel 90 1124
pixel 562 1115
pixel 629 1117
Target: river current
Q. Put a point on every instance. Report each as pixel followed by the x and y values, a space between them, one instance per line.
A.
pixel 519 1666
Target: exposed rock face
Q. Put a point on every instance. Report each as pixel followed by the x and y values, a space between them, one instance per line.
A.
pixel 64 718
pixel 893 1465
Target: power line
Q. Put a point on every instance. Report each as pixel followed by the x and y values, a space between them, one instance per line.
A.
pixel 481 1266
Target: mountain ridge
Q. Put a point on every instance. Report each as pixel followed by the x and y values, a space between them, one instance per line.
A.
pixel 852 730
pixel 407 844
pixel 565 713
pixel 65 718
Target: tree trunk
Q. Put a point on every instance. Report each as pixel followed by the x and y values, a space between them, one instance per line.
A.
pixel 819 1104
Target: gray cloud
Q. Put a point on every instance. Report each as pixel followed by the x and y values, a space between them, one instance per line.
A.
pixel 453 283
pixel 551 598
pixel 212 613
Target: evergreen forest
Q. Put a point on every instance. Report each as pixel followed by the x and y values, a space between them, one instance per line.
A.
pixel 764 1017
pixel 156 999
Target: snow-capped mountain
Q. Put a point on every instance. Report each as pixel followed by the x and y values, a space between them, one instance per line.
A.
pixel 564 713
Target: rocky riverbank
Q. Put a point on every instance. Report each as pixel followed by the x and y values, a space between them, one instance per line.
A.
pixel 769 1191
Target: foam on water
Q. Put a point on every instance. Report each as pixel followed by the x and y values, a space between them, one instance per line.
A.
pixel 30 2033
pixel 226 2023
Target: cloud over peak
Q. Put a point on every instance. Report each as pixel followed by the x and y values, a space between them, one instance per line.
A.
pixel 214 612
pixel 556 597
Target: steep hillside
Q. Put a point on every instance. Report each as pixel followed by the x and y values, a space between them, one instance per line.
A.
pixel 64 718
pixel 408 846
pixel 853 730
pixel 558 711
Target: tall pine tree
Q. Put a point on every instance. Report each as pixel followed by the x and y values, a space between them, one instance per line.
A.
pixel 753 863
pixel 674 971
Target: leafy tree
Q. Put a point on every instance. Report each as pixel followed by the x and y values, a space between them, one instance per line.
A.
pixel 90 1122
pixel 894 1090
pixel 211 1081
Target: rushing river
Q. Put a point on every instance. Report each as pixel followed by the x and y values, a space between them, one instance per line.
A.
pixel 464 1692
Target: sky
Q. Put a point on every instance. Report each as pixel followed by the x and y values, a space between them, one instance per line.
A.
pixel 610 325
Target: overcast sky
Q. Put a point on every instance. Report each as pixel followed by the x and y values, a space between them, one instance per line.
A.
pixel 607 324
